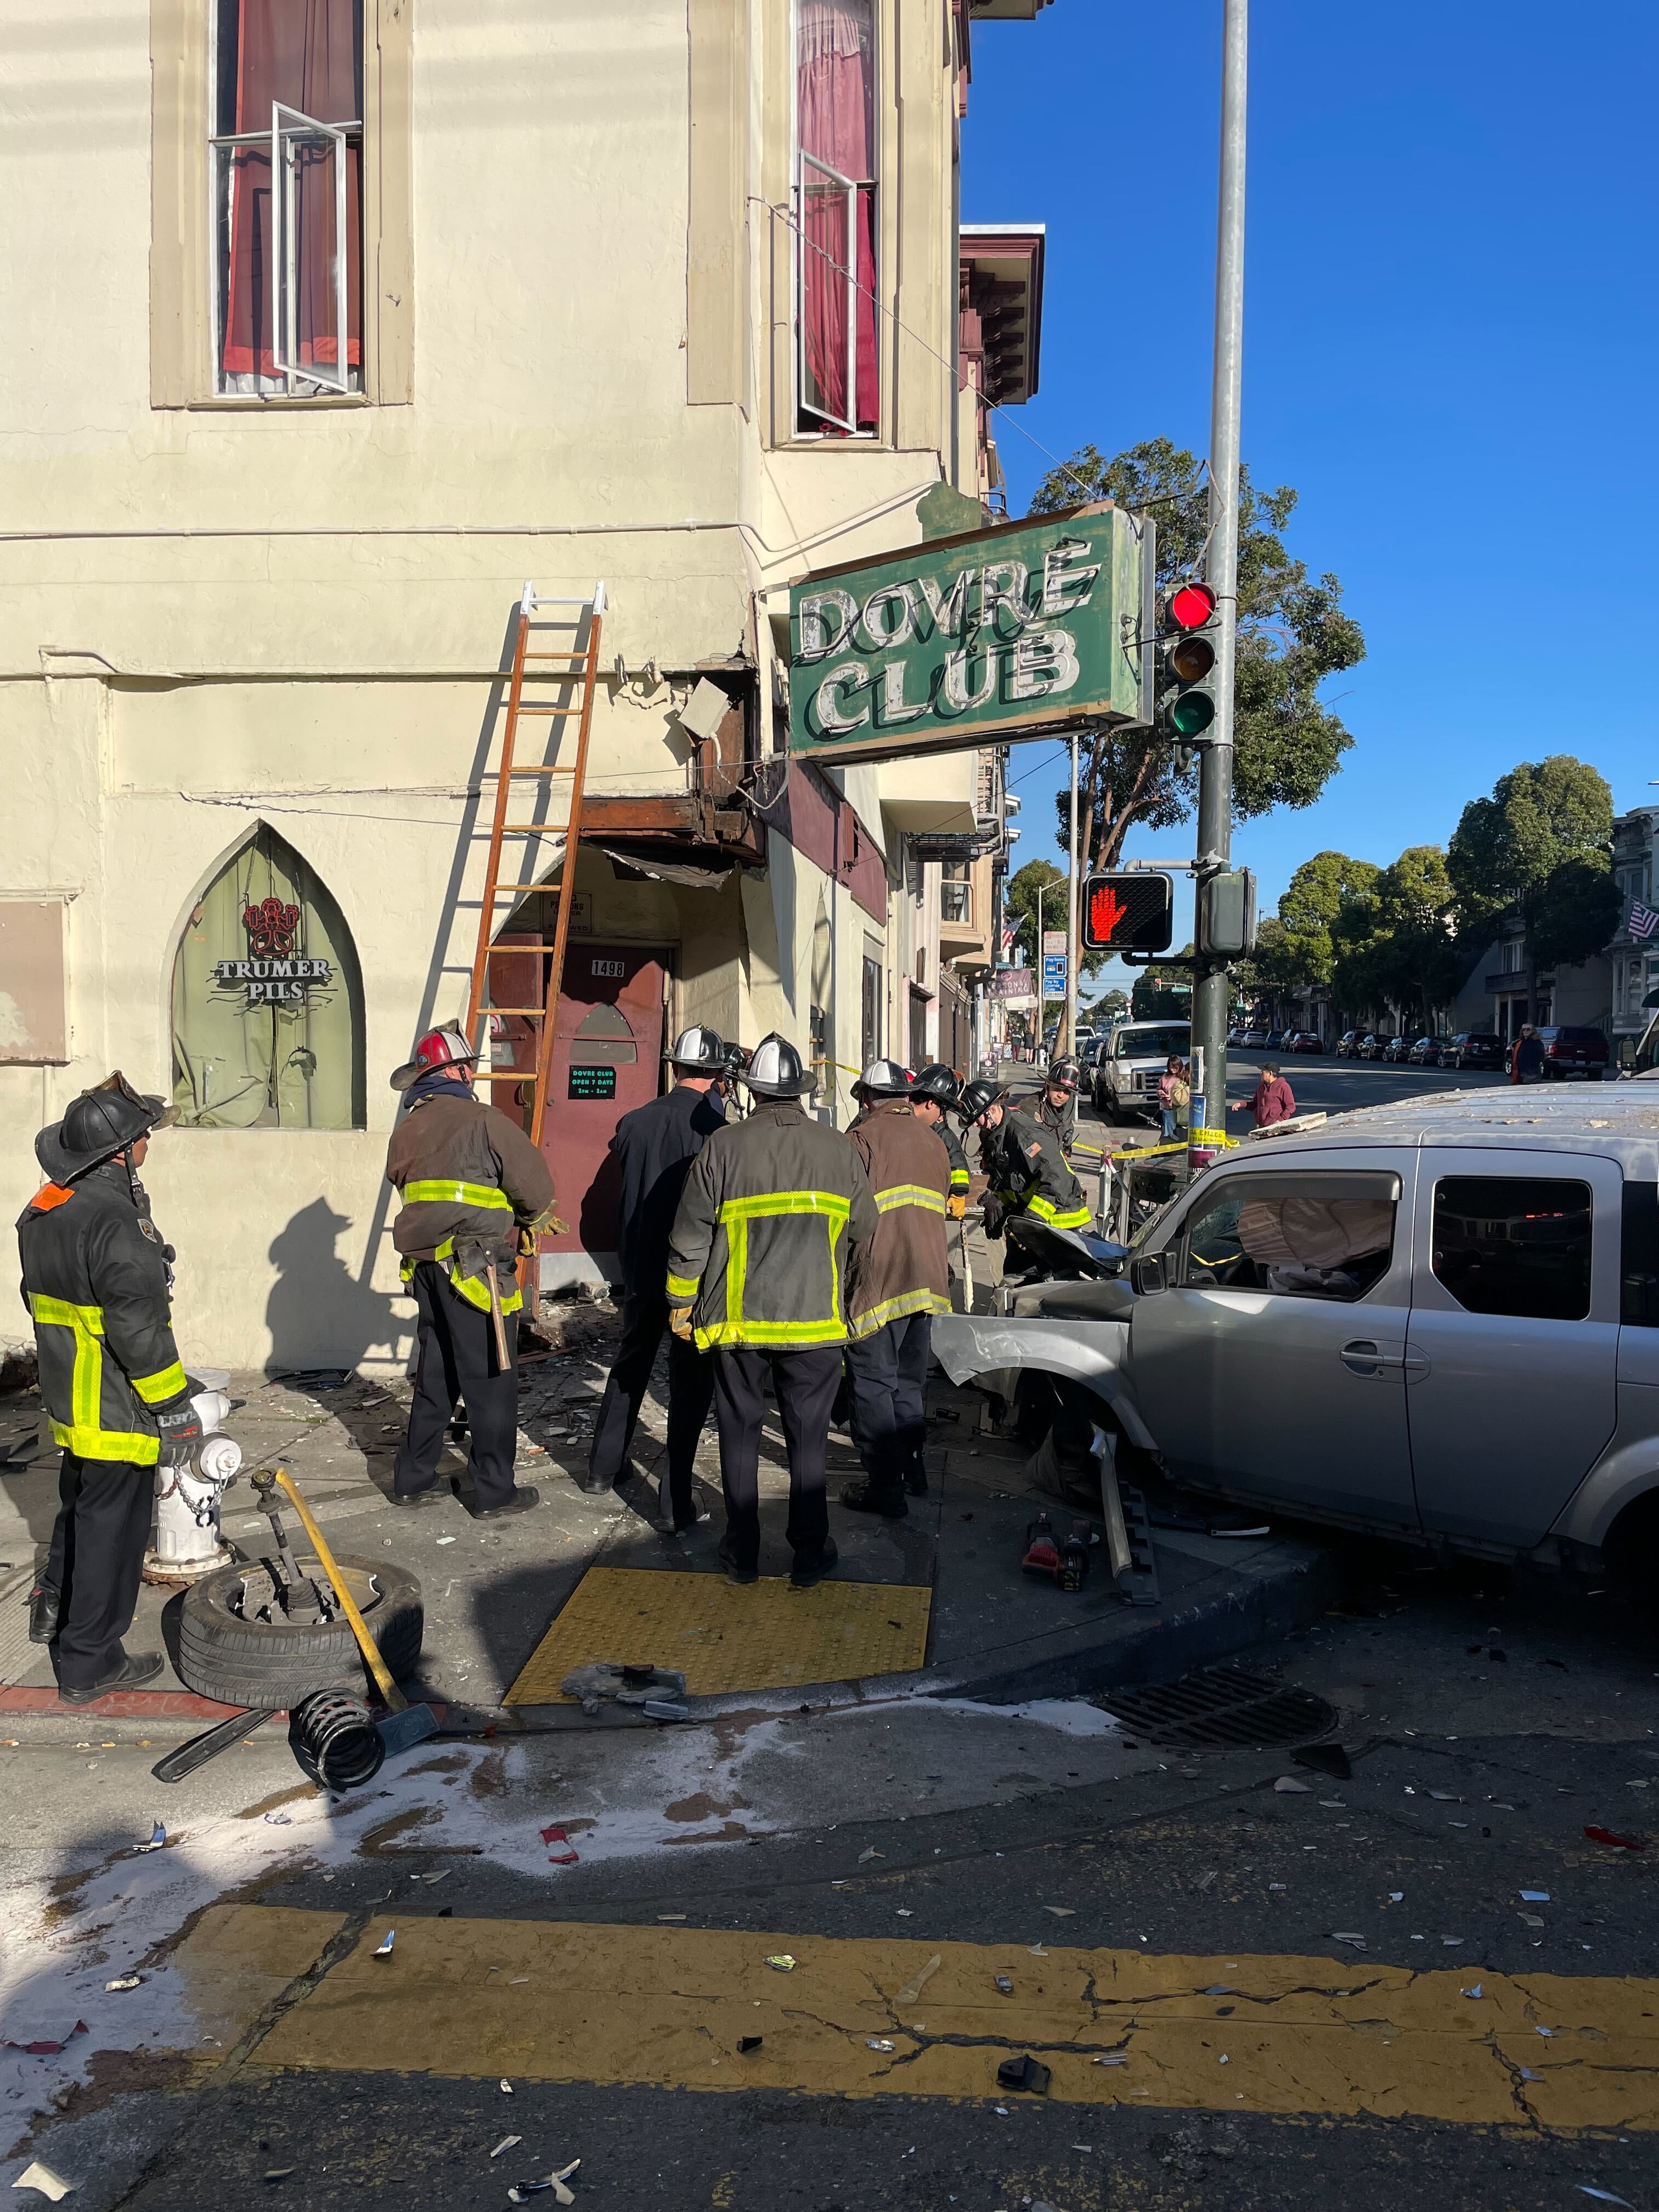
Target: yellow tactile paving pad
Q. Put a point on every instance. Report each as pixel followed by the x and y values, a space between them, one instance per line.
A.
pixel 763 1636
pixel 555 2001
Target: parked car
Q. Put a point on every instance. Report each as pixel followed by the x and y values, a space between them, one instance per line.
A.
pixel 1126 1076
pixel 1376 1045
pixel 1413 1320
pixel 1397 1048
pixel 1254 1040
pixel 1305 1040
pixel 1473 1049
pixel 1236 1035
pixel 1574 1052
pixel 1348 1044
pixel 1426 1053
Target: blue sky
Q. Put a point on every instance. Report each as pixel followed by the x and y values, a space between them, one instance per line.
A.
pixel 1450 334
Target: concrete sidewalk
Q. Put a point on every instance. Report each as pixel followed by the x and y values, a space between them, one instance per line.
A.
pixel 491 1591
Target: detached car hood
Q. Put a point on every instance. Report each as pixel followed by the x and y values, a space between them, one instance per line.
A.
pixel 993 1349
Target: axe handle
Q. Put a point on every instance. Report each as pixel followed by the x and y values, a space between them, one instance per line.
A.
pixel 396 1701
pixel 495 1314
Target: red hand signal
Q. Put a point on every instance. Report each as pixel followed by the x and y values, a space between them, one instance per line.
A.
pixel 1106 910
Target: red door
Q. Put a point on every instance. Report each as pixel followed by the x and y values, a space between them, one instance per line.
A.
pixel 607 1058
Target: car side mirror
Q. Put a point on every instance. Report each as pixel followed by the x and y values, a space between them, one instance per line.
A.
pixel 1150 1274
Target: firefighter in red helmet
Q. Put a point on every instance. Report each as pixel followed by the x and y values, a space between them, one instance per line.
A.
pixel 473 1186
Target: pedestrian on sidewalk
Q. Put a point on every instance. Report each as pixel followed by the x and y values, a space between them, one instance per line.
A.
pixel 901 1280
pixel 1526 1056
pixel 1272 1099
pixel 1174 1096
pixel 655 1146
pixel 473 1187
pixel 97 1278
pixel 774 1208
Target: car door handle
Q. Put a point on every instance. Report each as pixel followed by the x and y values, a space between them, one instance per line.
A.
pixel 1364 1356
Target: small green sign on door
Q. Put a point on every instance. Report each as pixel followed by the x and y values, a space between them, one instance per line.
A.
pixel 1029 627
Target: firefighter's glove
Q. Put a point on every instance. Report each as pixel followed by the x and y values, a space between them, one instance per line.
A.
pixel 180 1428
pixel 679 1320
pixel 995 1214
pixel 957 1205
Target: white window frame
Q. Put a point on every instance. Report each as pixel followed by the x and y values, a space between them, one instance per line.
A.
pixel 853 187
pixel 288 126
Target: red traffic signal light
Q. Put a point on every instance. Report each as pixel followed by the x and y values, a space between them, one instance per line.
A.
pixel 1191 605
pixel 1129 912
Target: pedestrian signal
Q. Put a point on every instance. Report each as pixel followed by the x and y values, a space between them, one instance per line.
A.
pixel 1129 912
pixel 1186 662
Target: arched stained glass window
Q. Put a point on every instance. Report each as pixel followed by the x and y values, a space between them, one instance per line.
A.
pixel 267 1001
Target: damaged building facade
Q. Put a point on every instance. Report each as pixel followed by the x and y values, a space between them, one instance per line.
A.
pixel 388 305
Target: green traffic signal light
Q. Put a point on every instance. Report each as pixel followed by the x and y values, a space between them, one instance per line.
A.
pixel 1192 713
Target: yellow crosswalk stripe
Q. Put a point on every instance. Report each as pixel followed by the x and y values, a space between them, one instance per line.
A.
pixel 590 2001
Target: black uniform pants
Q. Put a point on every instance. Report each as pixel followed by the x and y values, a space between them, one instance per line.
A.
pixel 103 1514
pixel 887 1400
pixel 805 1382
pixel 690 1391
pixel 457 1360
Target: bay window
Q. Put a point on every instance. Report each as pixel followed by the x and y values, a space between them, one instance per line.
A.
pixel 285 148
pixel 834 194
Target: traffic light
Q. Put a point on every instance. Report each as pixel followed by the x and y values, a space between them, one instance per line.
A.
pixel 1129 912
pixel 1186 662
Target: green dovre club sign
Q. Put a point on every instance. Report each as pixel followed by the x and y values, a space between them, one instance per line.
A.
pixel 969 640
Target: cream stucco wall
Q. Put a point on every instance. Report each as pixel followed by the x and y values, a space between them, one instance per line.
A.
pixel 218 614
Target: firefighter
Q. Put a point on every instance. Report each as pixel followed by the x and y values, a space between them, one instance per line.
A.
pixel 655 1146
pixel 774 1207
pixel 935 1089
pixel 1028 1172
pixel 475 1189
pixel 96 1279
pixel 1055 1105
pixel 902 1281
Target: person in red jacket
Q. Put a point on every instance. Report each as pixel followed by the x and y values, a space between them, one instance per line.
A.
pixel 1272 1099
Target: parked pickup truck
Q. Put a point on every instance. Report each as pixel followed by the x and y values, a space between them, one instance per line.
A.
pixel 1437 1320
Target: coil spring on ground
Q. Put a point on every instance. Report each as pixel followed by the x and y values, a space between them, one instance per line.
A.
pixel 335 1740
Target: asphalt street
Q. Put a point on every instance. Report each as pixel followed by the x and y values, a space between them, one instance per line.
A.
pixel 762 1962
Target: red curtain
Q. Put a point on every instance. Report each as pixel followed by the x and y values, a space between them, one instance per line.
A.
pixel 304 53
pixel 835 115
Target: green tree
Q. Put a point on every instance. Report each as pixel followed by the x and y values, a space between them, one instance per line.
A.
pixel 1392 942
pixel 1541 846
pixel 1293 634
pixel 1307 911
pixel 1019 905
pixel 1110 1006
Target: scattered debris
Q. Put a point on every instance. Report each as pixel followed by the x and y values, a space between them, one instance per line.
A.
pixel 1532 1920
pixel 1024 2073
pixel 1005 1984
pixel 43 2046
pixel 556 1834
pixel 277 2172
pixel 507 2088
pixel 1206 1878
pixel 1445 1797
pixel 1527 2075
pixel 672 1915
pixel 1325 1758
pixel 1288 1783
pixel 1476 1992
pixel 383 1951
pixel 1452 1939
pixel 1534 1897
pixel 1113 2058
pixel 37 2176
pixel 753 2043
pixel 914 1988
pixel 446 1540
pixel 125 1981
pixel 1061 1912
pixel 1036 1950
pixel 506 2143
pixel 873 1853
pixel 881 2043
pixel 780 1962
pixel 279 1819
pixel 1347 1935
pixel 158 1837
pixel 522 2191
pixel 1603 2195
pixel 1613 1841
pixel 627 1685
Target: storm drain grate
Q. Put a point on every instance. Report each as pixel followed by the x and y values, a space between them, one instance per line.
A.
pixel 1223 1710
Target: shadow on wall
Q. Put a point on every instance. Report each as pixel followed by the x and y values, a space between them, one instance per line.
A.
pixel 317 1313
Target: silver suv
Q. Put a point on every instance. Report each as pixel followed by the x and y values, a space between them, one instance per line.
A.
pixel 1437 1320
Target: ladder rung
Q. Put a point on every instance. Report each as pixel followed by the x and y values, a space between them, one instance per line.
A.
pixel 549 710
pixel 532 829
pixel 504 1075
pixel 515 1010
pixel 520 887
pixel 548 770
pixel 556 656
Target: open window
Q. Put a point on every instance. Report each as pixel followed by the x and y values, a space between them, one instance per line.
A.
pixel 287 148
pixel 834 191
pixel 267 1001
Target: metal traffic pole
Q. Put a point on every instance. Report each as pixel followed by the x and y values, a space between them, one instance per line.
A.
pixel 1068 1041
pixel 1212 988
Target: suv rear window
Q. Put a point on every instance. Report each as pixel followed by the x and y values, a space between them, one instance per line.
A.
pixel 1514 1245
pixel 1591 1037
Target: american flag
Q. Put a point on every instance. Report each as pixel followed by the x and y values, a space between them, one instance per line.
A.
pixel 1643 920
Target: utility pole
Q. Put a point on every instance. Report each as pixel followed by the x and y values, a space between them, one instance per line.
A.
pixel 1066 1041
pixel 1212 988
pixel 1042 1004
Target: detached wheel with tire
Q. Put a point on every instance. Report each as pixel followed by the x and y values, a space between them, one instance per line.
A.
pixel 234 1643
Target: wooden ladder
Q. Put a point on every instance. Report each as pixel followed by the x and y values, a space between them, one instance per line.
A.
pixel 578 674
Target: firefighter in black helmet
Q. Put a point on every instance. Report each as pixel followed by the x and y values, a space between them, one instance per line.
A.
pixel 1028 1172
pixel 97 1283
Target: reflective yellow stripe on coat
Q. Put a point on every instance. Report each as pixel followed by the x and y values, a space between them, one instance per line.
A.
pixel 1076 1216
pixel 83 1433
pixel 734 1218
pixel 910 1193
pixel 473 1288
pixel 426 1192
